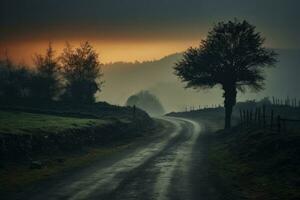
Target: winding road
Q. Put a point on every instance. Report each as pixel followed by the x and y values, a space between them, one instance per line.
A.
pixel 158 170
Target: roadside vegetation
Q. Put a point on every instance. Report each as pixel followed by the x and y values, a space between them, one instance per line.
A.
pixel 15 122
pixel 256 164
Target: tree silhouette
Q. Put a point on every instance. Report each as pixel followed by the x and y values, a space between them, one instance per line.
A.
pixel 46 83
pixel 81 69
pixel 15 81
pixel 146 101
pixel 232 56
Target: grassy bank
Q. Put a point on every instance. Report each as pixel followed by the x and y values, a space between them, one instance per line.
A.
pixel 15 122
pixel 256 164
pixel 27 129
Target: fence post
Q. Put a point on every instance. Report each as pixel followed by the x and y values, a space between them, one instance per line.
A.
pixel 264 115
pixel 258 116
pixel 241 116
pixel 244 116
pixel 272 116
pixel 278 124
pixel 134 112
pixel 247 117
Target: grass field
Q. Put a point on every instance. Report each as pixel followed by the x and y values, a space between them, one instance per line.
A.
pixel 15 122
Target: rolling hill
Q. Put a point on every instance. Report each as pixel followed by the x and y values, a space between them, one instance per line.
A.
pixel 124 79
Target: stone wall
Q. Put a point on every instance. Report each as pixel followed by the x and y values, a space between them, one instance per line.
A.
pixel 24 147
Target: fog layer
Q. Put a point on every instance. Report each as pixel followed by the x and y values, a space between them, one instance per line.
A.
pixel 125 79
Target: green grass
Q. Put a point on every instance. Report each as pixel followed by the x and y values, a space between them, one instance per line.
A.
pixel 14 122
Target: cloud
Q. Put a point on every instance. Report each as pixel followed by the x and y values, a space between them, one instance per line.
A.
pixel 144 19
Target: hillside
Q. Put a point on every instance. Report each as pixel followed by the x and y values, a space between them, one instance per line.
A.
pixel 158 77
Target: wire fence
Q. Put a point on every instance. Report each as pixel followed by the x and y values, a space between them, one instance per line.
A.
pixel 261 118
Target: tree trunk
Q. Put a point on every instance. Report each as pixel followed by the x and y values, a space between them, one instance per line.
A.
pixel 229 101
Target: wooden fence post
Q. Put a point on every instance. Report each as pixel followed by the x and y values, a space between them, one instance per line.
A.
pixel 278 124
pixel 241 116
pixel 244 114
pixel 264 115
pixel 258 116
pixel 272 116
pixel 134 112
pixel 247 117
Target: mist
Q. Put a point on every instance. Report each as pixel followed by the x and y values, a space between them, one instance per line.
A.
pixel 125 79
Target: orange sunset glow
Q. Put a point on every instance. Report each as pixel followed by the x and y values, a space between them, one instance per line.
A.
pixel 109 51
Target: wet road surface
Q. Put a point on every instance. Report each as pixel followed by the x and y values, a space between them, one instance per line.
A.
pixel 158 170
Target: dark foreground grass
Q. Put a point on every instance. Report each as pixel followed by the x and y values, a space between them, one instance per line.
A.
pixel 257 164
pixel 14 122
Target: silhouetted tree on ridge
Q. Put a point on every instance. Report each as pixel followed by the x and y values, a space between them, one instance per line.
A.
pixel 232 56
pixel 46 84
pixel 75 77
pixel 15 81
pixel 81 70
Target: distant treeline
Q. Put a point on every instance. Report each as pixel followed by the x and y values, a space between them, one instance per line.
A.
pixel 74 76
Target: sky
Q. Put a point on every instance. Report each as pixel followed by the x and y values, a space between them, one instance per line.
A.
pixel 129 30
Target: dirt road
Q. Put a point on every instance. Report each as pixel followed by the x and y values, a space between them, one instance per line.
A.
pixel 160 169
